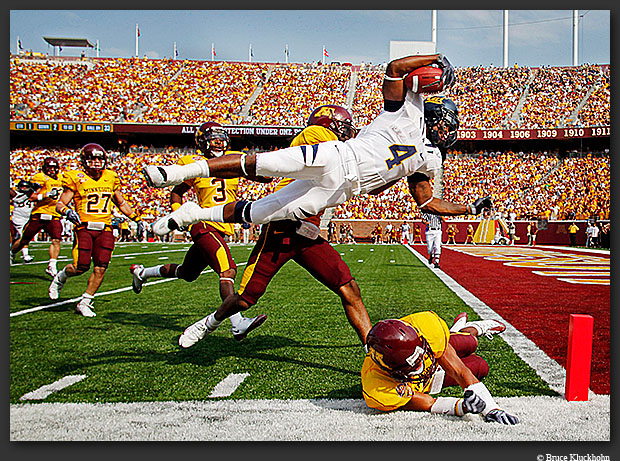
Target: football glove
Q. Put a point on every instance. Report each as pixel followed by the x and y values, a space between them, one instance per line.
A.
pixel 73 216
pixel 500 416
pixel 447 75
pixel 481 204
pixel 472 403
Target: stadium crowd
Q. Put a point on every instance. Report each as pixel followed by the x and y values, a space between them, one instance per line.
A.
pixel 183 91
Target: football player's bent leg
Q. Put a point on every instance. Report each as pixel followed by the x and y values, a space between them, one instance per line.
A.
pixel 354 309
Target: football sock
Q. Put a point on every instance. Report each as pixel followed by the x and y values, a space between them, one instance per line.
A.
pixel 212 323
pixel 198 169
pixel 215 214
pixel 149 272
pixel 86 297
pixel 62 276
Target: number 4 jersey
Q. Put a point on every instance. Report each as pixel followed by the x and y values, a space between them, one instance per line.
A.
pixel 92 199
pixel 394 146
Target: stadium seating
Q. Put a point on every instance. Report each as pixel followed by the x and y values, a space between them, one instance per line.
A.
pixel 171 91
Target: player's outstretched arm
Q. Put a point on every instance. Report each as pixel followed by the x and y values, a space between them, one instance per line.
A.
pixel 422 193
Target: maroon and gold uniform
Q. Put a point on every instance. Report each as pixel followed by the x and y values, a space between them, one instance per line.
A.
pixel 384 392
pixel 93 201
pixel 279 242
pixel 43 215
pixel 210 248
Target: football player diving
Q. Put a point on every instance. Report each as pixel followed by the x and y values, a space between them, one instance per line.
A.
pixel 209 247
pixel 394 145
pixel 415 356
pixel 297 240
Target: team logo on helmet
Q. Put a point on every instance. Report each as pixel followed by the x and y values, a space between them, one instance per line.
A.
pixel 336 119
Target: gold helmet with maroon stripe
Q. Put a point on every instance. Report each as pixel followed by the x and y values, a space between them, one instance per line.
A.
pixel 93 158
pixel 212 139
pixel 335 118
pixel 401 351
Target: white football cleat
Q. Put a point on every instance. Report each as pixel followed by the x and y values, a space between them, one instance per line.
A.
pixel 243 327
pixel 55 287
pixel 162 175
pixel 487 328
pixel 181 217
pixel 137 270
pixel 28 258
pixel 194 333
pixel 51 272
pixel 85 308
pixel 459 322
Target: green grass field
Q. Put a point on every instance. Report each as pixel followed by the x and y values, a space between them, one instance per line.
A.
pixel 305 350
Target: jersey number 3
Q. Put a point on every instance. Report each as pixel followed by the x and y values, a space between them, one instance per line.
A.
pixel 399 153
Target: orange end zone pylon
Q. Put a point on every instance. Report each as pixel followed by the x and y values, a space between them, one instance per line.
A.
pixel 579 361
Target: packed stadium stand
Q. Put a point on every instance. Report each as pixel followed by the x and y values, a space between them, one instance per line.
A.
pixel 524 181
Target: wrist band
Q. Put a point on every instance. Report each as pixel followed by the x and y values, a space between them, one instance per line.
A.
pixel 62 210
pixel 393 79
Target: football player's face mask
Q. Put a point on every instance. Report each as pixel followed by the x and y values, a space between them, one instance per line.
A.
pixel 93 158
pixel 442 121
pixel 212 139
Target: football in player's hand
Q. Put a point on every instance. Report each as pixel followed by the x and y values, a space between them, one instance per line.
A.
pixel 425 79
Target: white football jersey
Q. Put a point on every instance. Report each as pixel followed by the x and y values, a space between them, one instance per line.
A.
pixel 21 213
pixel 394 145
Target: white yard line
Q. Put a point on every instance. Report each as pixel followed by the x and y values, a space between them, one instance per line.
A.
pixel 42 392
pixel 103 293
pixel 228 385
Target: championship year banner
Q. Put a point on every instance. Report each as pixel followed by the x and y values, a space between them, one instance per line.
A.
pixel 538 133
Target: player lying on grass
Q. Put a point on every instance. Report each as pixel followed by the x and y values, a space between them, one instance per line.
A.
pixel 410 358
pixel 403 141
